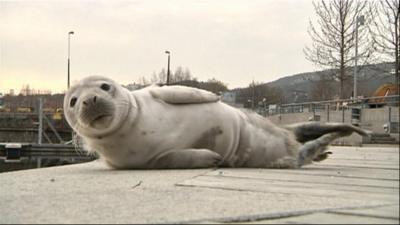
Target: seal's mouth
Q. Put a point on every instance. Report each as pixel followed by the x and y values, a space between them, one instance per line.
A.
pixel 97 112
pixel 100 118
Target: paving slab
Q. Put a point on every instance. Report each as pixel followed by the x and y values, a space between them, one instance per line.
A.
pixel 334 191
pixel 385 212
pixel 330 218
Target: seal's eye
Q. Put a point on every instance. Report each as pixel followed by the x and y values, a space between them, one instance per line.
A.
pixel 105 87
pixel 72 102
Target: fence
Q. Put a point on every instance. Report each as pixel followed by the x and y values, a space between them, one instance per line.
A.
pixel 34 127
pixel 378 114
pixel 37 139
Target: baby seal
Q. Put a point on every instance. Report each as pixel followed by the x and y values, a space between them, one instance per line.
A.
pixel 184 127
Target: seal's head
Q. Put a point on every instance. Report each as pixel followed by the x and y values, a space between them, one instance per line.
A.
pixel 96 106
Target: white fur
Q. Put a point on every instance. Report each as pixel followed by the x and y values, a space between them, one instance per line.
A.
pixel 149 123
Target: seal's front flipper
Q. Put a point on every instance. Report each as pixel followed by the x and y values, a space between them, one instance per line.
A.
pixel 183 95
pixel 186 159
pixel 312 130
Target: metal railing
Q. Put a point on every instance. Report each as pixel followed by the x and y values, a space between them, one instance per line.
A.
pixel 57 151
pixel 333 105
pixel 378 114
pixel 20 152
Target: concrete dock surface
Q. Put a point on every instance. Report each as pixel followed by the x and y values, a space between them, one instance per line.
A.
pixel 354 185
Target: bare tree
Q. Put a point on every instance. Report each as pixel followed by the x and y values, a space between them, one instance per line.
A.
pixel 143 81
pixel 25 90
pixel 258 92
pixel 181 75
pixel 385 31
pixel 333 40
pixel 322 90
pixel 159 78
pixel 214 85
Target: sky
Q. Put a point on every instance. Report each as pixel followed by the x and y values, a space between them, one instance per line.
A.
pixel 234 41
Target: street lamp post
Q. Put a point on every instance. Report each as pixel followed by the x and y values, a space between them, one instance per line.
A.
pixel 69 40
pixel 169 54
pixel 359 21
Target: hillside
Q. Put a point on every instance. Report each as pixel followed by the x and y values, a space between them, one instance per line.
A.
pixel 319 85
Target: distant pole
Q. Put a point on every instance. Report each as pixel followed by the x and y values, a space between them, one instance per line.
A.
pixel 252 102
pixel 359 21
pixel 69 46
pixel 169 54
pixel 40 128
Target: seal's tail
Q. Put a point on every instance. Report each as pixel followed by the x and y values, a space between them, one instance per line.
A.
pixel 317 136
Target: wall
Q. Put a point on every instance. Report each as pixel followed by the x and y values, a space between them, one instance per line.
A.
pixel 370 119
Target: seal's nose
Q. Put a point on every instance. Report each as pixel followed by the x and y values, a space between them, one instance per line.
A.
pixel 90 100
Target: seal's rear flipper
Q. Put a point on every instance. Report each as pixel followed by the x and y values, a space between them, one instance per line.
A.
pixel 312 130
pixel 315 150
pixel 317 136
pixel 183 95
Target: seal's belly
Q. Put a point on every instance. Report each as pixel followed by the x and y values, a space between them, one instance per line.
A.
pixel 213 126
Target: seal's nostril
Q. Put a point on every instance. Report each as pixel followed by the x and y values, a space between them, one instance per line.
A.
pixel 94 99
pixel 84 102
